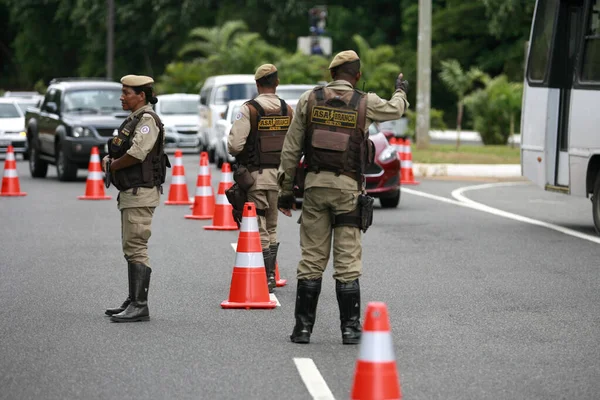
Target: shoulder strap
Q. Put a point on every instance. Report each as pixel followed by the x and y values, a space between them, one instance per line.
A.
pixel 161 130
pixel 257 107
pixel 284 107
pixel 355 100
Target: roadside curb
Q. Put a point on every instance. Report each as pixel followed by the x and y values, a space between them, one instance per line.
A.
pixel 468 170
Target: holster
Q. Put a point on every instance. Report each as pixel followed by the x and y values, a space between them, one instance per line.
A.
pixel 361 217
pixel 237 197
pixel 243 178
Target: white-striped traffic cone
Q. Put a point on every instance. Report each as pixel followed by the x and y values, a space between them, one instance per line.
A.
pixel 249 279
pixel 204 201
pixel 376 376
pixel 223 217
pixel 178 193
pixel 10 179
pixel 94 186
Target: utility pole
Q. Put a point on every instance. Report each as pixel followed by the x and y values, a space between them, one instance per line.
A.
pixel 110 39
pixel 424 74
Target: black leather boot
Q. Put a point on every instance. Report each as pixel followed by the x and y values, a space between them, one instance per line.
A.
pixel 139 284
pixel 272 281
pixel 269 268
pixel 113 311
pixel 348 297
pixel 307 297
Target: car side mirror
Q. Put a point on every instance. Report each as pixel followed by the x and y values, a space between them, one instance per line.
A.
pixel 51 107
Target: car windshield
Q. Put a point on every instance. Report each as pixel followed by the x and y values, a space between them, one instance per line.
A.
pixel 397 126
pixel 179 107
pixel 92 101
pixel 290 94
pixel 234 112
pixel 23 105
pixel 9 110
pixel 237 91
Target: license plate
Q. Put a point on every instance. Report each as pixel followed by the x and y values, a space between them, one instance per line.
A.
pixel 5 143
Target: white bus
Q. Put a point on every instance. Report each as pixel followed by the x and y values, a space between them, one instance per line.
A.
pixel 560 124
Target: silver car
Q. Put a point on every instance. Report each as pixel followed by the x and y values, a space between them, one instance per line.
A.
pixel 12 127
pixel 179 114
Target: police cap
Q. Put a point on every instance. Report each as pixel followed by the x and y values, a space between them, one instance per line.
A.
pixel 264 70
pixel 343 57
pixel 136 80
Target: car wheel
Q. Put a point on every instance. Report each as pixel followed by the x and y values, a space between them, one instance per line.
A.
pixel 391 201
pixel 65 170
pixel 596 204
pixel 38 168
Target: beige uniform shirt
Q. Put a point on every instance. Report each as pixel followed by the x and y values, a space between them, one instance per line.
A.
pixel 144 137
pixel 239 133
pixel 378 110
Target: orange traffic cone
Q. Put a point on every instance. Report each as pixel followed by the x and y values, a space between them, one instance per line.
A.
pixel 10 179
pixel 94 186
pixel 375 376
pixel 223 218
pixel 249 280
pixel 278 281
pixel 178 193
pixel 406 168
pixel 204 201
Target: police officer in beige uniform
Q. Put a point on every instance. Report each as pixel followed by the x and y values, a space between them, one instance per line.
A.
pixel 137 165
pixel 256 140
pixel 330 128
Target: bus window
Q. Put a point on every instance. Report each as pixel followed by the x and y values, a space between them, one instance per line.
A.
pixel 591 56
pixel 541 40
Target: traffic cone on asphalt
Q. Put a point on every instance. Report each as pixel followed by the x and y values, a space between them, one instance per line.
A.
pixel 406 167
pixel 249 279
pixel 10 179
pixel 375 376
pixel 94 186
pixel 278 281
pixel 223 217
pixel 204 201
pixel 178 193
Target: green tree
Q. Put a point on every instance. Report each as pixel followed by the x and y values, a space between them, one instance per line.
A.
pixel 205 41
pixel 460 82
pixel 378 71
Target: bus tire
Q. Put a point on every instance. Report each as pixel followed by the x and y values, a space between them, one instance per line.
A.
pixel 596 204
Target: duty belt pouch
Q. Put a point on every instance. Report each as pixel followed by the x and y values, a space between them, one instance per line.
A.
pixel 243 178
pixel 365 205
pixel 236 197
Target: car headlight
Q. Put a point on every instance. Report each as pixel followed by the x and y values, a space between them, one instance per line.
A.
pixel 23 133
pixel 388 154
pixel 80 131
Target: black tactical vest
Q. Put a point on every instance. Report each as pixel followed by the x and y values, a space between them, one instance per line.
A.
pixel 267 134
pixel 335 137
pixel 149 173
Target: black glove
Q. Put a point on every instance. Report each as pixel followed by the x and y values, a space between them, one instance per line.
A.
pixel 286 201
pixel 237 217
pixel 401 84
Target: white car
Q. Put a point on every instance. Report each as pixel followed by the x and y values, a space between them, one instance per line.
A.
pixel 216 92
pixel 291 93
pixel 179 114
pixel 12 127
pixel 223 129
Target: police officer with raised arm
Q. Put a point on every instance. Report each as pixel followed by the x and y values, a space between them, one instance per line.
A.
pixel 137 165
pixel 256 140
pixel 330 128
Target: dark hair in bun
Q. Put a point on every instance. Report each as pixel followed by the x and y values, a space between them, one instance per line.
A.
pixel 148 91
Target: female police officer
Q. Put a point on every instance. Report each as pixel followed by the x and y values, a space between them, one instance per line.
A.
pixel 137 165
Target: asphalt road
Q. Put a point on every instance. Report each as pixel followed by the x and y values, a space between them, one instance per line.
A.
pixel 482 306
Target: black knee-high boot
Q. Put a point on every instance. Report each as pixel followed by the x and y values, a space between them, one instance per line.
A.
pixel 139 283
pixel 307 298
pixel 348 297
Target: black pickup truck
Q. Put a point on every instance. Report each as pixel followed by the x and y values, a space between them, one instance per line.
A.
pixel 75 115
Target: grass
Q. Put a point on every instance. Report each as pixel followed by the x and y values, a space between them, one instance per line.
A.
pixel 447 154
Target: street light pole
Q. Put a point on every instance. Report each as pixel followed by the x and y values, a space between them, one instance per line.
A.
pixel 423 74
pixel 110 40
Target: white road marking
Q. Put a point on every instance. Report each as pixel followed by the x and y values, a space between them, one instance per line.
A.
pixel 312 378
pixel 271 295
pixel 466 202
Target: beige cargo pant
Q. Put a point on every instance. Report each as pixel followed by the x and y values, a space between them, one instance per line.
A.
pixel 316 233
pixel 136 229
pixel 267 225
